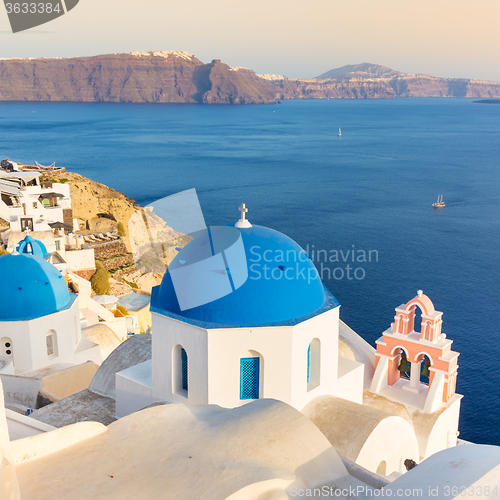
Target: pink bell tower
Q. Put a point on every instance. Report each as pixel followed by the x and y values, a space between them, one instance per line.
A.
pixel 401 338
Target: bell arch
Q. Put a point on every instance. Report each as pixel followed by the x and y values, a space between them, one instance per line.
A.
pixel 420 356
pixel 430 325
pixel 429 355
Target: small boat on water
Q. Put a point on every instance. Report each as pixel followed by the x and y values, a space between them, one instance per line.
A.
pixel 340 133
pixel 439 203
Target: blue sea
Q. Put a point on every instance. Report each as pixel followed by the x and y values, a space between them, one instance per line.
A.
pixel 369 190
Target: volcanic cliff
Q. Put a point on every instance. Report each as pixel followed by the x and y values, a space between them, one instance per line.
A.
pixel 162 76
pixel 179 77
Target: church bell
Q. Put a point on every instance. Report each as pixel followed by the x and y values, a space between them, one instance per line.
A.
pixel 404 366
pixel 425 370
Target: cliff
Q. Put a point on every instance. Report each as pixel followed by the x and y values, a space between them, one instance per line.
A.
pixel 179 77
pixel 132 260
pixel 373 81
pixel 92 201
pixel 99 208
pixel 161 76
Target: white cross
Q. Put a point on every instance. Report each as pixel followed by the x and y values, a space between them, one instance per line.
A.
pixel 243 210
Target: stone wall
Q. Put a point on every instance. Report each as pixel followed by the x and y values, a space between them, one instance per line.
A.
pixel 118 261
pixel 68 216
pixel 86 274
pixel 109 249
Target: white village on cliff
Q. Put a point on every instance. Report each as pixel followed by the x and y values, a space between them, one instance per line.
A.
pixel 223 381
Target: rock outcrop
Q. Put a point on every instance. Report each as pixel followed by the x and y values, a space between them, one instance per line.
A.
pixel 92 201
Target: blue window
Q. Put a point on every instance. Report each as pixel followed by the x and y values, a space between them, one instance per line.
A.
pixel 184 360
pixel 249 378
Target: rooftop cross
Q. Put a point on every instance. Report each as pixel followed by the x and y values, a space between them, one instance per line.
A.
pixel 243 222
pixel 243 210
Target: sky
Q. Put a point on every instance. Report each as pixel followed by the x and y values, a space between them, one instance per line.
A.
pixel 446 38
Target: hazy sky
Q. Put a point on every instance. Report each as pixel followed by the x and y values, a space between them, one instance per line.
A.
pixel 449 38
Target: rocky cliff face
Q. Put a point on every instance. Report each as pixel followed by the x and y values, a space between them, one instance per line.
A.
pixel 179 77
pixel 95 205
pixel 99 208
pixel 169 76
pixel 373 81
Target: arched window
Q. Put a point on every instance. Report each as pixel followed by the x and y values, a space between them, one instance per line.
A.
pixel 417 319
pixel 313 364
pixel 250 375
pixel 382 468
pixel 180 371
pixel 184 362
pixel 425 365
pixel 51 342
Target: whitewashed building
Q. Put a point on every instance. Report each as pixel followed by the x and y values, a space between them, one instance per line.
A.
pixel 276 335
pixel 27 205
pixel 40 320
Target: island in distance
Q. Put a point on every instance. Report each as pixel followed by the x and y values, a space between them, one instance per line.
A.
pixel 179 77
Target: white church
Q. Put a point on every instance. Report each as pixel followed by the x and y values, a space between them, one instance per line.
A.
pixel 42 323
pixel 242 314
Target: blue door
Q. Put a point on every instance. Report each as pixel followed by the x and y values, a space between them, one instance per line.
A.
pixel 249 378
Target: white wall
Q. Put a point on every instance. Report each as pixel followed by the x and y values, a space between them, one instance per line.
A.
pixel 66 324
pixel 134 389
pixel 21 390
pixel 214 361
pixel 350 381
pixel 9 488
pixel 436 434
pixel 227 346
pixel 167 333
pixel 80 259
pixel 324 327
pixel 29 345
pixel 392 441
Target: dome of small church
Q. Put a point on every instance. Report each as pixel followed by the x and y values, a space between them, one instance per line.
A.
pixel 31 246
pixel 31 288
pixel 281 283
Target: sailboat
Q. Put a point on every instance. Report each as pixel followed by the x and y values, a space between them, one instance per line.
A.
pixel 340 133
pixel 439 203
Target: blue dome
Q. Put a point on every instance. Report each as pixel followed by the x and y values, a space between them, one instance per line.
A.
pixel 282 283
pixel 29 246
pixel 31 288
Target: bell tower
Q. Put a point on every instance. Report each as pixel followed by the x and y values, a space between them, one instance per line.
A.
pixel 402 349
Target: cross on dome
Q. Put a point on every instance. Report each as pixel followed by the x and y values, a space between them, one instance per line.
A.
pixel 243 210
pixel 243 222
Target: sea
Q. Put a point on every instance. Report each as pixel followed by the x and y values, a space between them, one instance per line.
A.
pixel 367 193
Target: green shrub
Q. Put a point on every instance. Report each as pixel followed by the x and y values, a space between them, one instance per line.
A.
pixel 100 281
pixel 131 284
pixel 120 229
pixel 99 265
pixel 122 309
pixel 63 181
